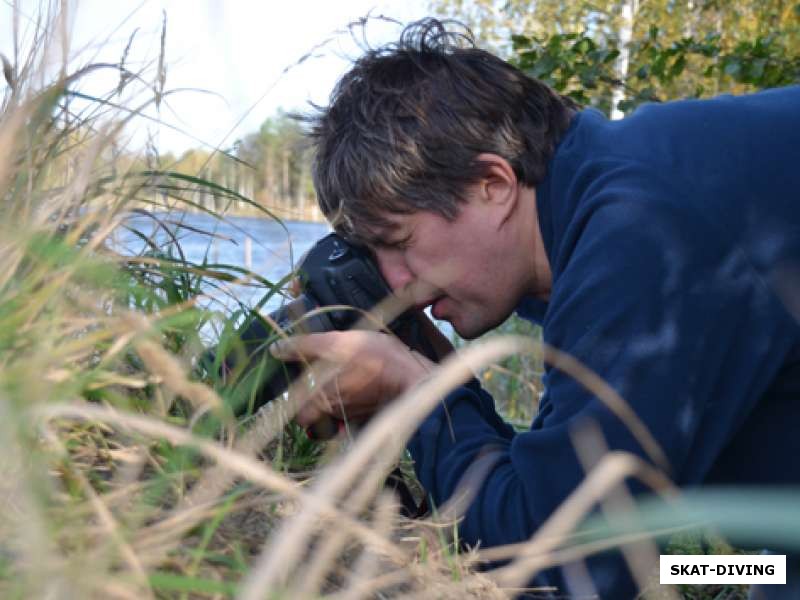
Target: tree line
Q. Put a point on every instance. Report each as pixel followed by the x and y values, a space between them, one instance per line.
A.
pixel 270 167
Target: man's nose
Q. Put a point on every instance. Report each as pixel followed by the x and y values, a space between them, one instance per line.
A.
pixel 394 269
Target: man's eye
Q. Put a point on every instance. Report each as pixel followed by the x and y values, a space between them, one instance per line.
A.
pixel 392 244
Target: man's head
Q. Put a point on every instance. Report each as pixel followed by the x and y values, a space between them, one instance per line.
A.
pixel 405 126
pixel 409 125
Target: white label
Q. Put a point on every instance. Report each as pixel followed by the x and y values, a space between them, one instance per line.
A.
pixel 723 568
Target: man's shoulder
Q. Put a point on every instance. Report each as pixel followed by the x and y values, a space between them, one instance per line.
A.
pixel 647 133
pixel 770 103
pixel 724 165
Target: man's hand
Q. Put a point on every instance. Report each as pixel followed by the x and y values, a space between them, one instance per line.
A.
pixel 355 372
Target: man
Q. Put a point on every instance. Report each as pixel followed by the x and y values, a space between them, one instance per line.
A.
pixel 662 251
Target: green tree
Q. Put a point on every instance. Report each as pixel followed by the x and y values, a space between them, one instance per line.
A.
pixel 616 54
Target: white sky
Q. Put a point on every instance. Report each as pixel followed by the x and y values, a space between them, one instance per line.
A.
pixel 236 49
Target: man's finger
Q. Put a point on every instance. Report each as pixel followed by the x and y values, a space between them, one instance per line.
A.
pixel 299 347
pixel 319 404
pixel 334 346
pixel 283 349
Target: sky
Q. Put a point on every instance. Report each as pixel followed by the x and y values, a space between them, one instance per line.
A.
pixel 236 51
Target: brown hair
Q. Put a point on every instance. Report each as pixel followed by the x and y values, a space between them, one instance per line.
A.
pixel 405 125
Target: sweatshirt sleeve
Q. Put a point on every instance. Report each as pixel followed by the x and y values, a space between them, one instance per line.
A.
pixel 664 310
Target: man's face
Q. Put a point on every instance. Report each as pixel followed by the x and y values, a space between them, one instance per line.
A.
pixel 463 269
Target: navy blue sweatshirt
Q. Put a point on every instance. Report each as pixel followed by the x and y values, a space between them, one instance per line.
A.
pixel 673 238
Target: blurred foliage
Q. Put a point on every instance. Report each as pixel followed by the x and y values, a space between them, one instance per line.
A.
pixel 632 52
pixel 660 69
pixel 495 21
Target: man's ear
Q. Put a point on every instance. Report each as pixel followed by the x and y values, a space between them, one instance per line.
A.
pixel 498 187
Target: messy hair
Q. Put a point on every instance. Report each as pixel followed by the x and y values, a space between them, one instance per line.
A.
pixel 406 124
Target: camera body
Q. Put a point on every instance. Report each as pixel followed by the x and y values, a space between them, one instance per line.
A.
pixel 334 273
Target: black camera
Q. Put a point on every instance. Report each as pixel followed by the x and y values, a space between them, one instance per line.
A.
pixel 334 273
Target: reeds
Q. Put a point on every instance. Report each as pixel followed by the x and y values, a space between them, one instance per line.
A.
pixel 124 474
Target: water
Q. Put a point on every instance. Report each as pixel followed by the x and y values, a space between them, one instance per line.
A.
pixel 271 252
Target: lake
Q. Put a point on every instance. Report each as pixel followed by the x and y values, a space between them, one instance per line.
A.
pixel 263 245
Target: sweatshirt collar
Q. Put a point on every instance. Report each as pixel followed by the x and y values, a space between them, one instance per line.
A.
pixel 531 308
